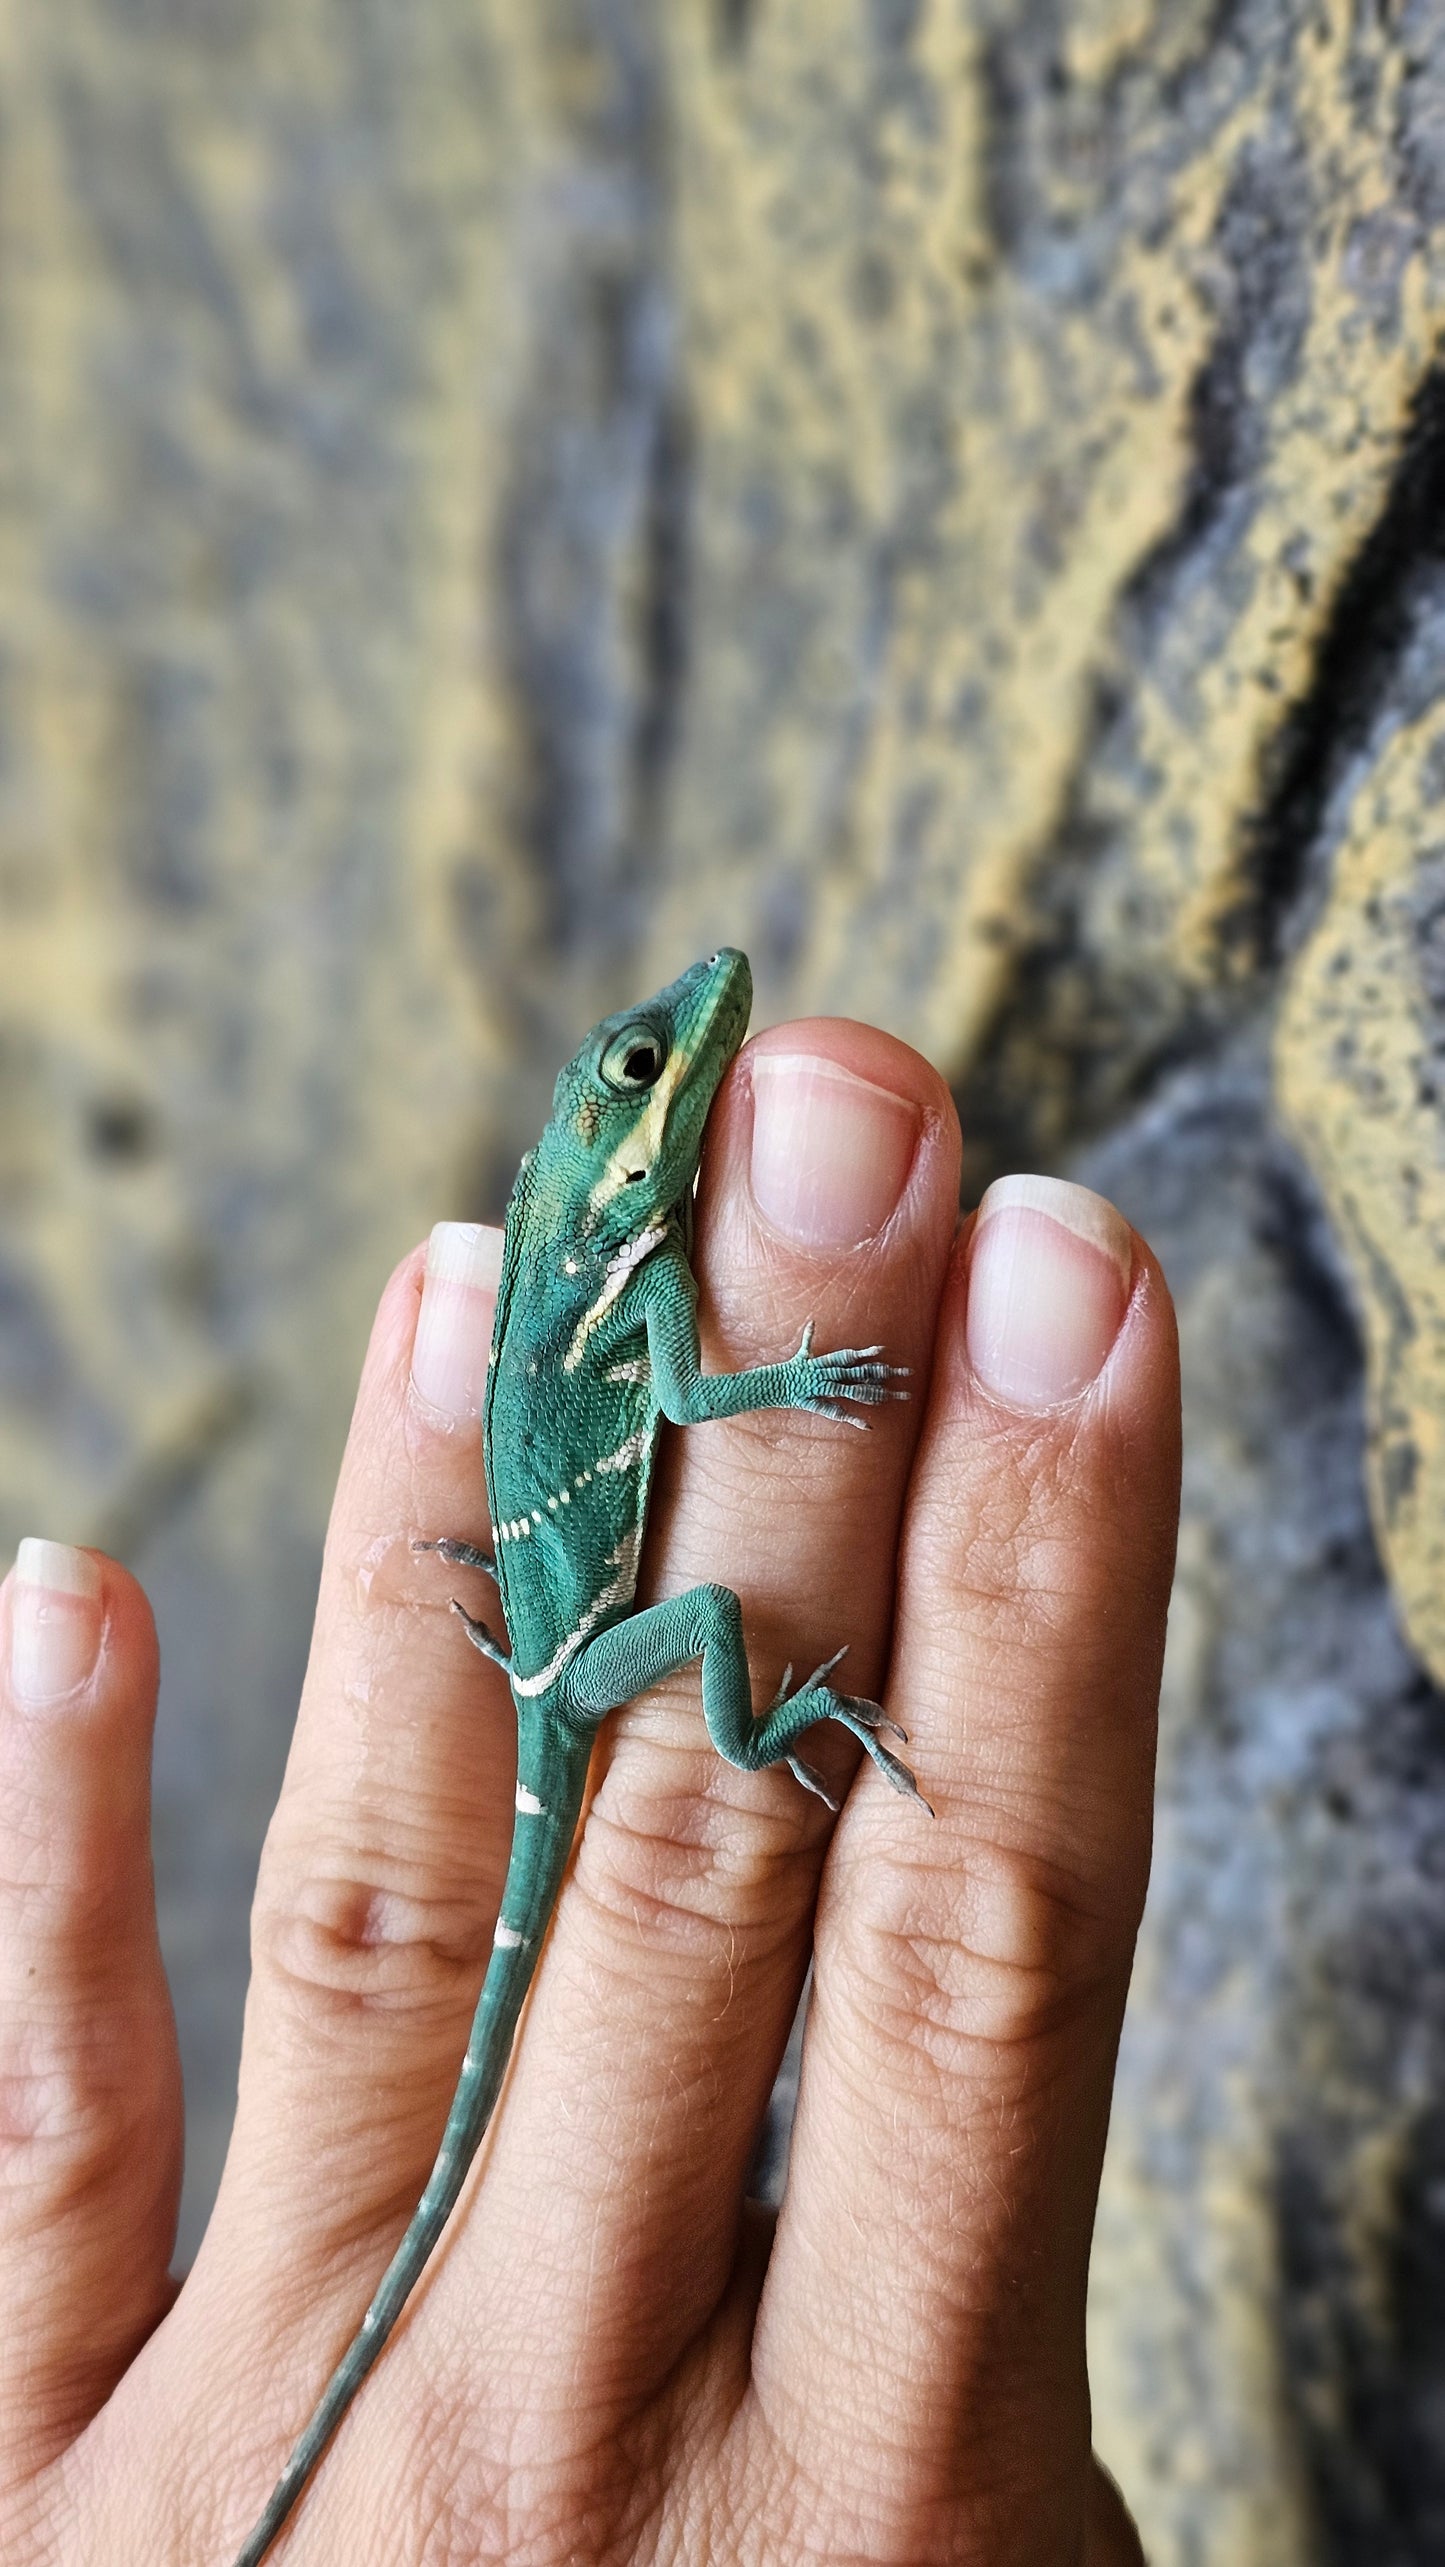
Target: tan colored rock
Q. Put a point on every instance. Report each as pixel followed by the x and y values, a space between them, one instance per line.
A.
pixel 1361 1068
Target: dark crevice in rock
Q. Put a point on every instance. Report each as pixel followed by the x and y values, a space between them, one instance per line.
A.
pixel 1372 623
pixel 1301 1820
pixel 121 1130
pixel 1360 2164
pixel 1078 1040
pixel 1084 1033
pixel 1261 292
pixel 1081 1036
pixel 1293 1225
pixel 733 20
pixel 663 621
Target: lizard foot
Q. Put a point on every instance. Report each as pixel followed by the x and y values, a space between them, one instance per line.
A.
pixel 867 1720
pixel 481 1638
pixel 460 1555
pixel 848 1373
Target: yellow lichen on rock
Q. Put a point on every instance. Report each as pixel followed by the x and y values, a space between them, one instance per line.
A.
pixel 1361 1072
pixel 1244 642
pixel 924 479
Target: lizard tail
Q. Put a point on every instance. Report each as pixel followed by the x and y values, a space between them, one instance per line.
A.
pixel 552 1777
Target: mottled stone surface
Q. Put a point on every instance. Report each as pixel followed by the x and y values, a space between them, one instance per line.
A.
pixel 1361 1058
pixel 951 495
pixel 1268 2323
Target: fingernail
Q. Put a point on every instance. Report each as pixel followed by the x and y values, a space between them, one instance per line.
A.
pixel 454 1323
pixel 55 1620
pixel 831 1152
pixel 1048 1280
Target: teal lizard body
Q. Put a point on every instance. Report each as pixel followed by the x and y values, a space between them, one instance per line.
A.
pixel 594 1343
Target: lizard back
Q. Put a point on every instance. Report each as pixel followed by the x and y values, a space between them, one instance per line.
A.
pixel 570 1428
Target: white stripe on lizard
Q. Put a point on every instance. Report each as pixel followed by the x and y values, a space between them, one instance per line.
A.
pixel 626 1262
pixel 621 1459
pixel 619 1591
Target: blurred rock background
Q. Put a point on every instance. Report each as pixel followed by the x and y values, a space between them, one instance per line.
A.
pixel 499 495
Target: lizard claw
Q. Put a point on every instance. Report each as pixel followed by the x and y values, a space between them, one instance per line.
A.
pixel 460 1555
pixel 812 1781
pixel 811 1683
pixel 867 1720
pixel 481 1638
pixel 872 1716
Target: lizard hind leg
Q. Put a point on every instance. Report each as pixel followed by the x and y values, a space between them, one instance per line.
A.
pixel 465 1555
pixel 460 1555
pixel 707 1623
pixel 481 1638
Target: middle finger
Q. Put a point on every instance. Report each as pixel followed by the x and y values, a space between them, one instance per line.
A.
pixel 830 1192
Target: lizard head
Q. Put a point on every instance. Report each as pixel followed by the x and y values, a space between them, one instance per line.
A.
pixel 628 1111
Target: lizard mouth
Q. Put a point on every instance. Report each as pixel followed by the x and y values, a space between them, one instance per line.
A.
pixel 718 1018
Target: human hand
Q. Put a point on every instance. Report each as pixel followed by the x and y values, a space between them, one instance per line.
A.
pixel 612 2357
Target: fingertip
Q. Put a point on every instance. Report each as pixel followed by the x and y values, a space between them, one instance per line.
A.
pixel 79 1670
pixel 1142 1376
pixel 835 1136
pixel 429 1339
pixel 453 1331
pixel 132 1646
pixel 1056 1313
pixel 388 1350
pixel 868 1052
pixel 78 1633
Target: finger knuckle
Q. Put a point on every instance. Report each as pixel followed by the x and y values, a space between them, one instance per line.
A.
pixel 473 2507
pixel 361 1940
pixel 72 2107
pixel 1008 1956
pixel 684 1872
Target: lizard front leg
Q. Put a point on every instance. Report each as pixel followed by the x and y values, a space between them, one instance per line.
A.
pixel 688 1396
pixel 707 1623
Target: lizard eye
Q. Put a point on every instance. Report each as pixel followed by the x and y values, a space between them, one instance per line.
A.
pixel 633 1060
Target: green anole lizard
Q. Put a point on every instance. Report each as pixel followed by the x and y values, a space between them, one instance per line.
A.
pixel 594 1343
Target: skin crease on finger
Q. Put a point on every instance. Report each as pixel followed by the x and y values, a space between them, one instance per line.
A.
pixel 567 2256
